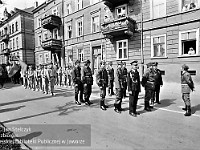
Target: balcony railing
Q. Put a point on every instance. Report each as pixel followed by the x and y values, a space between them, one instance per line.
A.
pixel 114 3
pixel 50 22
pixel 5 38
pixel 52 44
pixel 122 26
pixel 6 51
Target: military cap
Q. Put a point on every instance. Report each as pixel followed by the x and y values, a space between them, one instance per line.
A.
pixel 185 67
pixel 87 61
pixel 102 62
pixel 119 63
pixel 135 61
pixel 77 61
pixel 110 63
pixel 156 63
pixel 149 64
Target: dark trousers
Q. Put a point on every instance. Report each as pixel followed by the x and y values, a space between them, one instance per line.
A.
pixel 148 96
pixel 87 91
pixel 156 94
pixel 79 91
pixel 124 89
pixel 133 98
pixel 119 95
pixel 103 92
pixel 2 80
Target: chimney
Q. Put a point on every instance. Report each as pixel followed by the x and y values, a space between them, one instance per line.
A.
pixel 36 4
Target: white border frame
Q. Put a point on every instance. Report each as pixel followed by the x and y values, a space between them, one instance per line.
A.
pixel 151 9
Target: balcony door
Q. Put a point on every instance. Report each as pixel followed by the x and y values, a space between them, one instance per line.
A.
pixel 97 57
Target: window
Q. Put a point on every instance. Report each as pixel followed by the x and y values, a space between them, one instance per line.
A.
pixel 17 42
pixel 79 25
pixel 16 26
pixel 45 36
pixel 40 59
pixel 39 40
pixel 158 46
pixel 13 44
pixel 13 28
pixel 189 4
pixel 95 24
pixel 121 11
pixel 46 58
pixel 80 55
pixel 69 31
pixel 39 22
pixel 55 33
pixel 10 29
pixel 55 11
pixel 68 9
pixel 10 44
pixel 158 8
pixel 189 40
pixel 79 4
pixel 122 49
pixel 94 1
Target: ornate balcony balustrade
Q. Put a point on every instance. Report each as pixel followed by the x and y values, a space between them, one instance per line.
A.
pixel 50 22
pixel 52 44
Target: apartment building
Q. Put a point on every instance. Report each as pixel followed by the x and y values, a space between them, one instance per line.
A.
pixel 16 36
pixel 48 30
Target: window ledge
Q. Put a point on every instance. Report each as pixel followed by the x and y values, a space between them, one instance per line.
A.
pixel 183 56
pixel 159 57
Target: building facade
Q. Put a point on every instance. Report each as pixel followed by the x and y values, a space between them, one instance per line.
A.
pixel 48 29
pixel 127 30
pixel 17 38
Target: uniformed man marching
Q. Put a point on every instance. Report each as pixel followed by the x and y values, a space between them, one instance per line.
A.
pixel 148 82
pixel 118 87
pixel 102 82
pixel 133 88
pixel 158 83
pixel 39 78
pixel 124 72
pixel 110 72
pixel 78 85
pixel 31 78
pixel 187 85
pixel 87 80
pixel 51 77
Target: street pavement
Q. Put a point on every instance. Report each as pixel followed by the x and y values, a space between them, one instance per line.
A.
pixel 164 128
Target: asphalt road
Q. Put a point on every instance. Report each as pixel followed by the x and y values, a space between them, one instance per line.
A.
pixel 164 128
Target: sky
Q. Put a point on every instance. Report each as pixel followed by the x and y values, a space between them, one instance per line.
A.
pixel 21 4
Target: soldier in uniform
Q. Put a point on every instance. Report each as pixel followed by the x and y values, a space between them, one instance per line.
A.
pixel 76 77
pixel 148 82
pixel 110 71
pixel 158 84
pixel 186 85
pixel 51 75
pixel 87 81
pixel 102 82
pixel 31 78
pixel 38 76
pixel 133 88
pixel 118 87
pixel 124 72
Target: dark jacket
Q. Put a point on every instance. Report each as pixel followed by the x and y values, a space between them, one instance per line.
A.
pixel 187 79
pixel 133 81
pixel 110 71
pixel 124 72
pixel 76 75
pixel 158 77
pixel 102 78
pixel 148 79
pixel 87 75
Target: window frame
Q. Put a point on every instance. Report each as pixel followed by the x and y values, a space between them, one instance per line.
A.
pixel 151 9
pixel 79 5
pixel 56 11
pixel 152 45
pixel 77 27
pixel 181 8
pixel 80 52
pixel 92 29
pixel 17 42
pixel 67 30
pixel 117 49
pixel 197 42
pixel 68 9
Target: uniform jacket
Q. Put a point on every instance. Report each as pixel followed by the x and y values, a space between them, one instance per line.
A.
pixel 110 71
pixel 148 79
pixel 133 81
pixel 51 73
pixel 119 78
pixel 124 72
pixel 102 77
pixel 158 77
pixel 87 77
pixel 187 79
pixel 30 73
pixel 76 75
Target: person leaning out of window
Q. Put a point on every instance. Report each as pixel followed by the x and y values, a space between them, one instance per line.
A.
pixel 191 51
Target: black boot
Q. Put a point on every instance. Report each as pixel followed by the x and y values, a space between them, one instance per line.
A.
pixel 76 100
pixel 102 105
pixel 146 106
pixel 185 109
pixel 117 108
pixel 188 111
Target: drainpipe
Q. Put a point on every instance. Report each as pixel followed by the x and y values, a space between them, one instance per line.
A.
pixel 63 38
pixel 142 50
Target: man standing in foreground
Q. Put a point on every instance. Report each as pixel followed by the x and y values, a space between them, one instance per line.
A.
pixel 87 80
pixel 102 82
pixel 186 86
pixel 133 88
pixel 51 77
pixel 110 71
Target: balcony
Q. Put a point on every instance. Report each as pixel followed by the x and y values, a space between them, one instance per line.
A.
pixel 6 51
pixel 114 3
pixel 5 38
pixel 52 44
pixel 122 26
pixel 50 22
